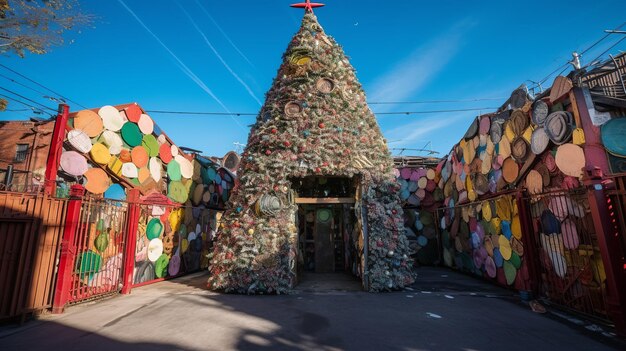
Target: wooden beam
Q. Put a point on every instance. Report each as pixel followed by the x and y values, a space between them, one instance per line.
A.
pixel 325 200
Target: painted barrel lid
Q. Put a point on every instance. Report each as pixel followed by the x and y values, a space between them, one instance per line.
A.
pixel 509 272
pixel 539 112
pixel 186 167
pixel 497 257
pixel 156 169
pixel 73 163
pixel 519 149
pixel 405 173
pixel 154 229
pixel 177 192
pixel 79 140
pixel 89 122
pixel 485 125
pixel 490 267
pixel 145 123
pixel 558 263
pixel 515 260
pixel 155 249
pixel 570 159
pixel 422 182
pixel 111 118
pixel 100 154
pixel 160 266
pixel 510 170
pixel 612 135
pixel 504 245
pixel 131 134
pixel 129 170
pixel 143 174
pixel 139 156
pixel 165 153
pixel 174 150
pixel 558 127
pixel 198 191
pixel 422 241
pixel 173 170
pixel 534 182
pixel 412 187
pixel 110 138
pixel 133 113
pixel 174 266
pixel 97 181
pixel 151 145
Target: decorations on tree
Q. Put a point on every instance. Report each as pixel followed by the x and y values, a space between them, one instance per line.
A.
pixel 315 122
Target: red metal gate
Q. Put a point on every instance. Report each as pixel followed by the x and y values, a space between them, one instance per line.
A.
pixel 99 255
pixel 570 269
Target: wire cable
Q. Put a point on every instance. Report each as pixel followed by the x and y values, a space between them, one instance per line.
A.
pixel 42 86
pixel 255 114
pixel 33 108
pixel 434 101
pixel 607 50
pixel 25 98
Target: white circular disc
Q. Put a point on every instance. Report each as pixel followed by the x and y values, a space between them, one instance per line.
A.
pixel 129 170
pixel 146 125
pixel 155 249
pixel 174 149
pixel 156 169
pixel 79 140
pixel 186 167
pixel 111 118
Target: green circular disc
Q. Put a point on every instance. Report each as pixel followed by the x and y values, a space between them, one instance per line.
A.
pixel 88 264
pixel 102 242
pixel 515 260
pixel 323 215
pixel 509 272
pixel 154 229
pixel 131 134
pixel 160 266
pixel 177 192
pixel 173 170
pixel 211 173
pixel 151 145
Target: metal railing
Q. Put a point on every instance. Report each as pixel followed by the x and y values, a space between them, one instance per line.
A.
pixel 570 265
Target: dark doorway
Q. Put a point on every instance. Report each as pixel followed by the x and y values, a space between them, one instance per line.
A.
pixel 328 234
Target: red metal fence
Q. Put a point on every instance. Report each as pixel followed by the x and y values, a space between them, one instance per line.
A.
pixel 30 231
pixel 571 273
pixel 99 250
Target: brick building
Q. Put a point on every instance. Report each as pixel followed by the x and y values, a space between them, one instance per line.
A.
pixel 25 145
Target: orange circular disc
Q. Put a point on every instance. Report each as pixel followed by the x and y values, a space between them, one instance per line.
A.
pixel 139 155
pixel 143 175
pixel 97 181
pixel 89 122
pixel 133 113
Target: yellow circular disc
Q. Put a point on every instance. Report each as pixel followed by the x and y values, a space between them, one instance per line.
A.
pixel 505 247
pixel 516 228
pixel 143 174
pixel 496 225
pixel 510 134
pixel 303 60
pixel 504 147
pixel 486 210
pixel 471 195
pixel 176 216
pixel 503 208
pixel 100 154
pixel 184 245
pixel 528 133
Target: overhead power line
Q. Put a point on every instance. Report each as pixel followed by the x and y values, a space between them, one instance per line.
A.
pixel 254 114
pixel 41 85
pixel 27 99
pixel 434 101
pixel 35 109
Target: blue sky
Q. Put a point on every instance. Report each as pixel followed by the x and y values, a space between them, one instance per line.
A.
pixel 224 54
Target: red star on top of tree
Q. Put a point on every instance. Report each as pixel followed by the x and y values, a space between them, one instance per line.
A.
pixel 307 6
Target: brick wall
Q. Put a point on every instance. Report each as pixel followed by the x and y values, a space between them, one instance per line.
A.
pixel 37 136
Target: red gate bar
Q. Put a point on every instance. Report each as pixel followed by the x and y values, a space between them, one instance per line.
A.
pixel 56 147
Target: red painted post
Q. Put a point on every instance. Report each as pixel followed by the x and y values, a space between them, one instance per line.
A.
pixel 132 223
pixel 68 250
pixel 56 147
pixel 610 248
pixel 595 154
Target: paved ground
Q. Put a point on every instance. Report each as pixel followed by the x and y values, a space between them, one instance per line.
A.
pixel 444 311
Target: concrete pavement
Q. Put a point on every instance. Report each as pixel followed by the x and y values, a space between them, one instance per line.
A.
pixel 443 311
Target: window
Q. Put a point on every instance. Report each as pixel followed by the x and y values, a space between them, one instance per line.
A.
pixel 21 152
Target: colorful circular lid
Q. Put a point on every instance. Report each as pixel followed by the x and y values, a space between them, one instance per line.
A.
pixel 129 170
pixel 165 153
pixel 155 249
pixel 160 266
pixel 504 246
pixel 79 140
pixel 570 234
pixel 509 272
pixel 174 266
pixel 154 229
pixel 323 215
pixel 111 118
pixel 143 174
pixel 133 113
pixel 570 159
pixel 497 257
pixel 510 170
pixel 139 155
pixel 490 267
pixel 612 134
pixel 177 192
pixel 131 134
pixel 151 145
pixel 100 154
pixel 186 167
pixel 97 181
pixel 173 170
pixel 89 122
pixel 156 169
pixel 73 163
pixel 145 123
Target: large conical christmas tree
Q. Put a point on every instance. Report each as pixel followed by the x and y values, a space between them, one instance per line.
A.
pixel 315 122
